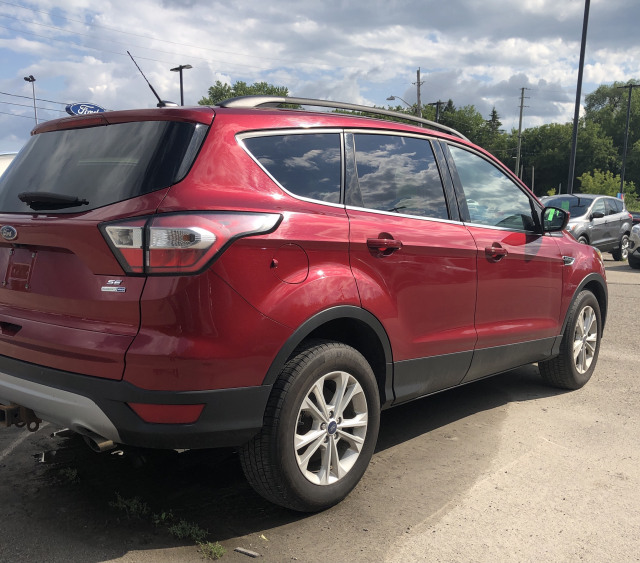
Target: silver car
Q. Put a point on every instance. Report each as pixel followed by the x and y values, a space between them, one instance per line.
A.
pixel 634 247
pixel 599 220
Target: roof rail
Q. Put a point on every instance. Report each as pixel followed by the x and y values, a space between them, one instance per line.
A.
pixel 273 101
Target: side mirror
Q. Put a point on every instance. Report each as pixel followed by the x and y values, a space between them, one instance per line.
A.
pixel 554 219
pixel 597 215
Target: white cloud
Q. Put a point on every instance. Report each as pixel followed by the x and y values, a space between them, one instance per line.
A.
pixel 362 51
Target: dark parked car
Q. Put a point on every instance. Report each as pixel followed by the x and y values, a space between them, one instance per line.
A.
pixel 270 279
pixel 599 220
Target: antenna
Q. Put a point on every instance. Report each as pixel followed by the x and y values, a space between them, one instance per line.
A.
pixel 161 103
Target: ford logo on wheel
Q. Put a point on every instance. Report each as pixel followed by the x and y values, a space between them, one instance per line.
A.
pixel 9 233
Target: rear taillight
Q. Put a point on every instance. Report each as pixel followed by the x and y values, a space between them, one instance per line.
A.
pixel 180 243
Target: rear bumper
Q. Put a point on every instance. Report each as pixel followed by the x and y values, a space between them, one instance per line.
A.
pixel 91 405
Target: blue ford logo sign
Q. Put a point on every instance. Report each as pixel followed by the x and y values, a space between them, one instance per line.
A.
pixel 8 232
pixel 83 109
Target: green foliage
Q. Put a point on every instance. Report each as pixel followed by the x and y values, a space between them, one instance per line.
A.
pixel 219 91
pixel 604 183
pixel 162 518
pixel 213 551
pixel 188 530
pixel 133 508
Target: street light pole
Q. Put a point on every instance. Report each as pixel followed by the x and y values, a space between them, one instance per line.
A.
pixel 576 116
pixel 31 79
pixel 180 69
pixel 391 98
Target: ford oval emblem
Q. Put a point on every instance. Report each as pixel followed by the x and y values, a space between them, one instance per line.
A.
pixel 83 109
pixel 9 233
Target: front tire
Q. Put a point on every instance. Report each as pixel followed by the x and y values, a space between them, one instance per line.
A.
pixel 622 252
pixel 583 240
pixel 574 365
pixel 634 262
pixel 320 429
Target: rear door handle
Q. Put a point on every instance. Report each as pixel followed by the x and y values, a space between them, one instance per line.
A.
pixel 495 252
pixel 384 246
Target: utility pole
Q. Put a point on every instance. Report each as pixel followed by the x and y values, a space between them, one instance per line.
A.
pixel 626 134
pixel 418 83
pixel 517 168
pixel 576 115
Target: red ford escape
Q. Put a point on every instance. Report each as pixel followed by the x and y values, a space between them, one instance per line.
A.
pixel 270 279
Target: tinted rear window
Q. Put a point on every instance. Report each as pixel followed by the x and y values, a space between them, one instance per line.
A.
pixel 305 165
pixel 102 165
pixel 575 205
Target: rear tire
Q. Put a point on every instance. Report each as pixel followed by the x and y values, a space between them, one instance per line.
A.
pixel 320 429
pixel 574 365
pixel 622 252
pixel 634 262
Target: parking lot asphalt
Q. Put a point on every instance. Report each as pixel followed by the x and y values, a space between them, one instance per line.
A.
pixel 505 469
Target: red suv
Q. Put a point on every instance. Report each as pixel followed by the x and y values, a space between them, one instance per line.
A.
pixel 270 279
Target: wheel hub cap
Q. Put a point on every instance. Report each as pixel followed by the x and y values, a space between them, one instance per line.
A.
pixel 331 428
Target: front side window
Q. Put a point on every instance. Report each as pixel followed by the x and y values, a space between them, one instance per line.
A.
pixel 307 165
pixel 399 175
pixel 492 197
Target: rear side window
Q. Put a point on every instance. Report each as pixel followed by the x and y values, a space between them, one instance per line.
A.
pixel 399 175
pixel 614 206
pixel 101 165
pixel 307 165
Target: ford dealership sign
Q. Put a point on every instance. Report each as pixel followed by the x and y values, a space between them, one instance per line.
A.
pixel 83 109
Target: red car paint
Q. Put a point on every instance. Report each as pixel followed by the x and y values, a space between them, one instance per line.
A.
pixel 428 290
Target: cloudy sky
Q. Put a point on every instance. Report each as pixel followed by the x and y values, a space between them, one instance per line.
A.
pixel 360 51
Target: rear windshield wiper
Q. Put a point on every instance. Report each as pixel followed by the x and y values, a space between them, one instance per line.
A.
pixel 50 200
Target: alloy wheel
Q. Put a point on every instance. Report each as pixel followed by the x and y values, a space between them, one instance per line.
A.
pixel 331 429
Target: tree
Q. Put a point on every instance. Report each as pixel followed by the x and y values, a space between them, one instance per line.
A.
pixel 219 91
pixel 604 183
pixel 547 149
pixel 607 106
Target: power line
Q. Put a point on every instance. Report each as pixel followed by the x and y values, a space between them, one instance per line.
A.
pixel 16 114
pixel 31 97
pixel 30 106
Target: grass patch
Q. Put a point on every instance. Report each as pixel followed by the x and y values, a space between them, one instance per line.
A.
pixel 134 508
pixel 213 551
pixel 188 530
pixel 163 518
